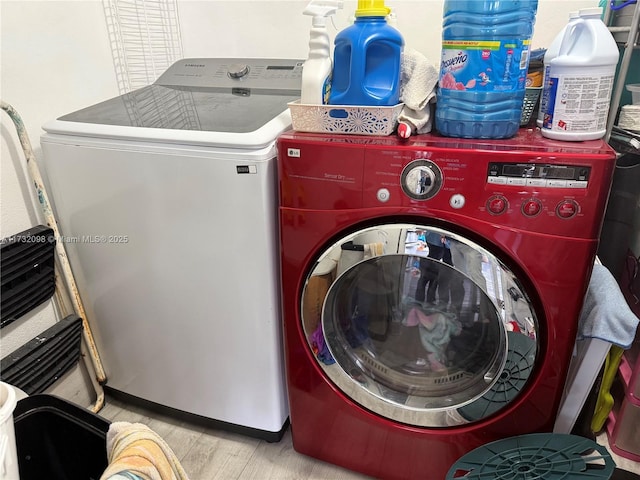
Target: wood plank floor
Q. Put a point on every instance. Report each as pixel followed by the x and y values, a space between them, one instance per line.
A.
pixel 207 453
pixel 210 454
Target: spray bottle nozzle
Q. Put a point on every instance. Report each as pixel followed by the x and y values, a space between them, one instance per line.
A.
pixel 320 9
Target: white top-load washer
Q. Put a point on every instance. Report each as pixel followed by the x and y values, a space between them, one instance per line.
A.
pixel 166 199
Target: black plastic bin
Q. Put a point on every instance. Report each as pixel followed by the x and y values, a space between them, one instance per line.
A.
pixel 58 440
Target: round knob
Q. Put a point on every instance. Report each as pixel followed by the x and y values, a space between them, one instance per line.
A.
pixel 497 204
pixel 567 209
pixel 238 70
pixel 421 179
pixel 531 207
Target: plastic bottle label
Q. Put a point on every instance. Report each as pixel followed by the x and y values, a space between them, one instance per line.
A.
pixel 577 103
pixel 496 65
pixel 326 90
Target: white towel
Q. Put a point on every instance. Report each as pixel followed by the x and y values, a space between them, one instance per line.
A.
pixel 418 82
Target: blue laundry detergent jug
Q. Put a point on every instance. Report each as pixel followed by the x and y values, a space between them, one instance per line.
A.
pixel 366 65
pixel 483 70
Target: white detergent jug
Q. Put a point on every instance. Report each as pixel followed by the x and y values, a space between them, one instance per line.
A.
pixel 580 80
pixel 551 53
pixel 8 455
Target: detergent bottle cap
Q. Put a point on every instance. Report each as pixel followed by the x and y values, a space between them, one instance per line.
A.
pixel 372 8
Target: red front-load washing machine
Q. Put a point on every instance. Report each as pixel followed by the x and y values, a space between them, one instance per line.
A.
pixel 431 291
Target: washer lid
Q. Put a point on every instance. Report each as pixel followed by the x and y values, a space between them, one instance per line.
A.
pixel 198 101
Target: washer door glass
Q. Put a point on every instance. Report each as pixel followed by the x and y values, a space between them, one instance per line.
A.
pixel 420 325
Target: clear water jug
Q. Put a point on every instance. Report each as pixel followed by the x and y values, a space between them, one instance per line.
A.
pixel 485 56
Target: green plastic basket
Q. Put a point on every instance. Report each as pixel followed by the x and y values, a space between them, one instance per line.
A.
pixel 536 456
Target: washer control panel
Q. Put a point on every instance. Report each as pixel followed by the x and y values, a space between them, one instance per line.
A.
pixel 277 74
pixel 540 178
pixel 527 183
pixel 533 195
pixel 538 175
pixel 539 195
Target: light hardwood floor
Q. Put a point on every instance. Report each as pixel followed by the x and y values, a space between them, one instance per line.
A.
pixel 214 454
pixel 207 453
pixel 210 454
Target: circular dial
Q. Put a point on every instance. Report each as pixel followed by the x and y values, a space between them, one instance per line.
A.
pixel 531 207
pixel 567 209
pixel 421 179
pixel 497 205
pixel 238 70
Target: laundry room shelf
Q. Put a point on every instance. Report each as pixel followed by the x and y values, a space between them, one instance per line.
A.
pixel 625 27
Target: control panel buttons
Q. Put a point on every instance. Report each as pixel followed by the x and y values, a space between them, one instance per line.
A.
pixel 516 181
pixel 538 175
pixel 457 201
pixel 531 207
pixel 497 180
pixel 536 182
pixel 567 209
pixel 497 204
pixel 557 183
pixel 383 195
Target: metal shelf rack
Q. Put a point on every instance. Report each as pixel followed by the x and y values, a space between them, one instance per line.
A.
pixel 626 35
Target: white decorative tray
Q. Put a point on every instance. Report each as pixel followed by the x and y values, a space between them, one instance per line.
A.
pixel 347 119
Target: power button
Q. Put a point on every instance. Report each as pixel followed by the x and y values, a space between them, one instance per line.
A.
pixel 383 195
pixel 457 201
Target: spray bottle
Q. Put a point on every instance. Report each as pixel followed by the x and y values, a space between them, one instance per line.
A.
pixel 316 71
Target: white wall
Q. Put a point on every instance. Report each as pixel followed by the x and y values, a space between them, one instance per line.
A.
pixel 278 28
pixel 55 57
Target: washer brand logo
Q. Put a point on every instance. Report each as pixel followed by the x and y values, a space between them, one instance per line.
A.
pixel 293 152
pixel 198 65
pixel 241 169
